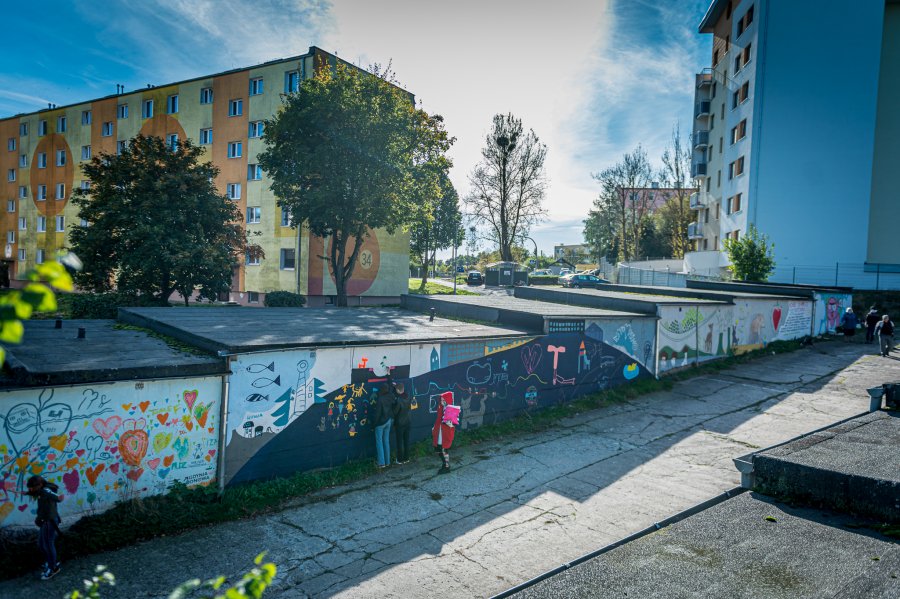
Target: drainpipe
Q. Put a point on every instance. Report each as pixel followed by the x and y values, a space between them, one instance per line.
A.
pixel 223 424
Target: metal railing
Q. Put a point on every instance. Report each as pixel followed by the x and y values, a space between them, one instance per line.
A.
pixel 701 138
pixel 702 109
pixel 698 200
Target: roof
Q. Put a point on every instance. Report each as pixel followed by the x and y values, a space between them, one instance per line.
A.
pixel 534 307
pixel 233 330
pixel 643 303
pixel 692 293
pixel 712 16
pixel 50 355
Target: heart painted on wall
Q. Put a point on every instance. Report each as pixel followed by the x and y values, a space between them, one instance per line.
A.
pixel 161 441
pixel 189 398
pixel 153 463
pixel 531 357
pixel 135 474
pixel 59 442
pixel 93 473
pixel 162 417
pixel 144 405
pixel 107 428
pixel 71 480
pixel 776 317
pixel 201 413
pixel 133 446
pixel 167 461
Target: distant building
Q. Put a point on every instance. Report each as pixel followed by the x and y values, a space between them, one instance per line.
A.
pixel 797 130
pixel 224 114
pixel 572 252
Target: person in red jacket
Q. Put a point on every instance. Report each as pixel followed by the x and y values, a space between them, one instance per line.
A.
pixel 442 433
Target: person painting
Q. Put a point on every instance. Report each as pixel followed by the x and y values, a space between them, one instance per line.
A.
pixel 885 332
pixel 384 417
pixel 47 520
pixel 848 324
pixel 402 422
pixel 872 320
pixel 442 432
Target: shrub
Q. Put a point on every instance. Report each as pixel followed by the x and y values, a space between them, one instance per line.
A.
pixel 105 305
pixel 284 299
pixel 543 280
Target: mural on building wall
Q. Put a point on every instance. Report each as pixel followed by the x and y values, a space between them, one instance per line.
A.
pixel 828 311
pixel 758 322
pixel 635 337
pixel 382 268
pixel 106 443
pixel 492 381
pixel 690 334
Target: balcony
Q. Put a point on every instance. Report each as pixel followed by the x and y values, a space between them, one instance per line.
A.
pixel 701 109
pixel 695 231
pixel 701 139
pixel 699 200
pixel 698 169
pixel 704 78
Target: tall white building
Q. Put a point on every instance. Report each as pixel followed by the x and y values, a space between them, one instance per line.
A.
pixel 797 130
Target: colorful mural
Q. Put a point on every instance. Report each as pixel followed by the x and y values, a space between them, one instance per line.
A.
pixel 106 443
pixel 693 333
pixel 828 311
pixel 758 322
pixel 634 336
pixel 492 381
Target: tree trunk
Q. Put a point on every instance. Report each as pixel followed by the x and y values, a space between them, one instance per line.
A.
pixel 424 265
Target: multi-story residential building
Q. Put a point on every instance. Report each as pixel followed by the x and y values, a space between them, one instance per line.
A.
pixel 224 114
pixel 796 131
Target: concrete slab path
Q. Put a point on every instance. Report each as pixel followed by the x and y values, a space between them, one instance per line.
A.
pixel 511 510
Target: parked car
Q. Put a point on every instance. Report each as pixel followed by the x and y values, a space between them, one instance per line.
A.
pixel 541 273
pixel 474 278
pixel 565 271
pixel 579 281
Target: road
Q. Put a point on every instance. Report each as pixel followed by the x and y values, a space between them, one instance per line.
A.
pixel 512 509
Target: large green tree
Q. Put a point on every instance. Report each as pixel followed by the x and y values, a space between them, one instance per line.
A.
pixel 342 153
pixel 156 223
pixel 437 226
pixel 676 213
pixel 751 256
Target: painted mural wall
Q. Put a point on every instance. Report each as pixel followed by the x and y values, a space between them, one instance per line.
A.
pixel 689 334
pixel 635 337
pixel 382 269
pixel 106 443
pixel 828 311
pixel 758 322
pixel 319 416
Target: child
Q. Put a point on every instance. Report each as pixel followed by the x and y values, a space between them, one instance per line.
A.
pixel 442 433
pixel 47 520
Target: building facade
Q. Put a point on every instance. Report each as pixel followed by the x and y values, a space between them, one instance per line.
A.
pixel 796 127
pixel 224 114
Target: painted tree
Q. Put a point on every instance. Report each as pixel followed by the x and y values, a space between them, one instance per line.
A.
pixel 509 184
pixel 156 223
pixel 676 214
pixel 751 256
pixel 342 153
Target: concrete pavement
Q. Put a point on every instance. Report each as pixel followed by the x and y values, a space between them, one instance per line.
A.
pixel 511 510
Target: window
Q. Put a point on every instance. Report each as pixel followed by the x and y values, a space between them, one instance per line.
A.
pixel 256 128
pixel 235 107
pixel 61 123
pixel 712 122
pixel 39 257
pixel 206 95
pixel 717 211
pixel 85 152
pixel 745 21
pixel 11 144
pixel 122 111
pixel 737 63
pixel 60 158
pixel 121 146
pixel 734 204
pixel 22 254
pixel 23 161
pixel 747 54
pixel 10 205
pixel 287 259
pixel 235 149
pixel 85 223
pixel 706 216
pixel 23 129
pixel 291 81
pixel 715 57
pixel 739 132
pixel 86 117
pixel 60 191
pixel 256 86
pixel 708 183
pixel 85 185
pixel 233 191
pixel 42 159
pixel 10 237
pixel 23 191
pixel 206 137
pixel 42 224
pixel 736 235
pixel 719 178
pixel 728 11
pixel 285 218
pixel 727 43
pixel 60 223
pixel 107 130
pixel 41 193
pixel 23 223
pixel 147 109
pixel 745 91
pixel 42 128
pixel 722 115
pixel 253 297
pixel 253 214
pixel 172 141
pixel 254 172
pixel 736 168
pixel 252 260
pixel 11 175
pixel 172 104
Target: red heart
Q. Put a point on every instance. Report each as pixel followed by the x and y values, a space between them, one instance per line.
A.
pixel 776 317
pixel 93 473
pixel 167 461
pixel 79 452
pixel 190 426
pixel 144 405
pixel 153 463
pixel 189 398
pixel 135 474
pixel 22 508
pixel 133 446
pixel 106 428
pixel 114 468
pixel 162 417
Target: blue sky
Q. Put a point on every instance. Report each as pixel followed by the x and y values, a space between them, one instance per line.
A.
pixel 592 78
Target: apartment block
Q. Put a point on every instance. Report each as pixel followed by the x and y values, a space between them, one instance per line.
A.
pixel 796 127
pixel 224 114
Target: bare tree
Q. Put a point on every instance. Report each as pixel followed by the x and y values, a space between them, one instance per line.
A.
pixel 676 213
pixel 626 193
pixel 509 183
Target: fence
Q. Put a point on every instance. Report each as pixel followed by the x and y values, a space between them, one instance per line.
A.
pixel 628 275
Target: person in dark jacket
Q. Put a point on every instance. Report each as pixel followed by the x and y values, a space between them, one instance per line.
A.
pixel 47 520
pixel 872 320
pixel 384 416
pixel 848 323
pixel 885 331
pixel 402 422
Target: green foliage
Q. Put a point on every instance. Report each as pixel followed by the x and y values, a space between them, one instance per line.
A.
pixel 106 305
pixel 416 288
pixel 157 223
pixel 543 280
pixel 349 153
pixel 284 299
pixel 92 585
pixel 751 256
pixel 438 224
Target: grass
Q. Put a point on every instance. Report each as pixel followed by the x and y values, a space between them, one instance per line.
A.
pixel 415 288
pixel 183 509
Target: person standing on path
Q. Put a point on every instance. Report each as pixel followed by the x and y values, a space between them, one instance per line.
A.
pixel 384 417
pixel 872 320
pixel 885 331
pixel 47 520
pixel 402 422
pixel 848 323
pixel 442 432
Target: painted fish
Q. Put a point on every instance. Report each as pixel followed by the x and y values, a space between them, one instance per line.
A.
pixel 257 368
pixel 264 382
pixel 257 397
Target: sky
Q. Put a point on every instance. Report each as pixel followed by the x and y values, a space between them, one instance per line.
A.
pixel 593 79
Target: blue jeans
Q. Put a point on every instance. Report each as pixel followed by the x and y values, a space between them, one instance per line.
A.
pixel 383 443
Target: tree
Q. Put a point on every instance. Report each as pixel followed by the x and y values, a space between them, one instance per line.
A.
pixel 342 153
pixel 509 183
pixel 676 213
pixel 600 232
pixel 626 197
pixel 157 224
pixel 750 256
